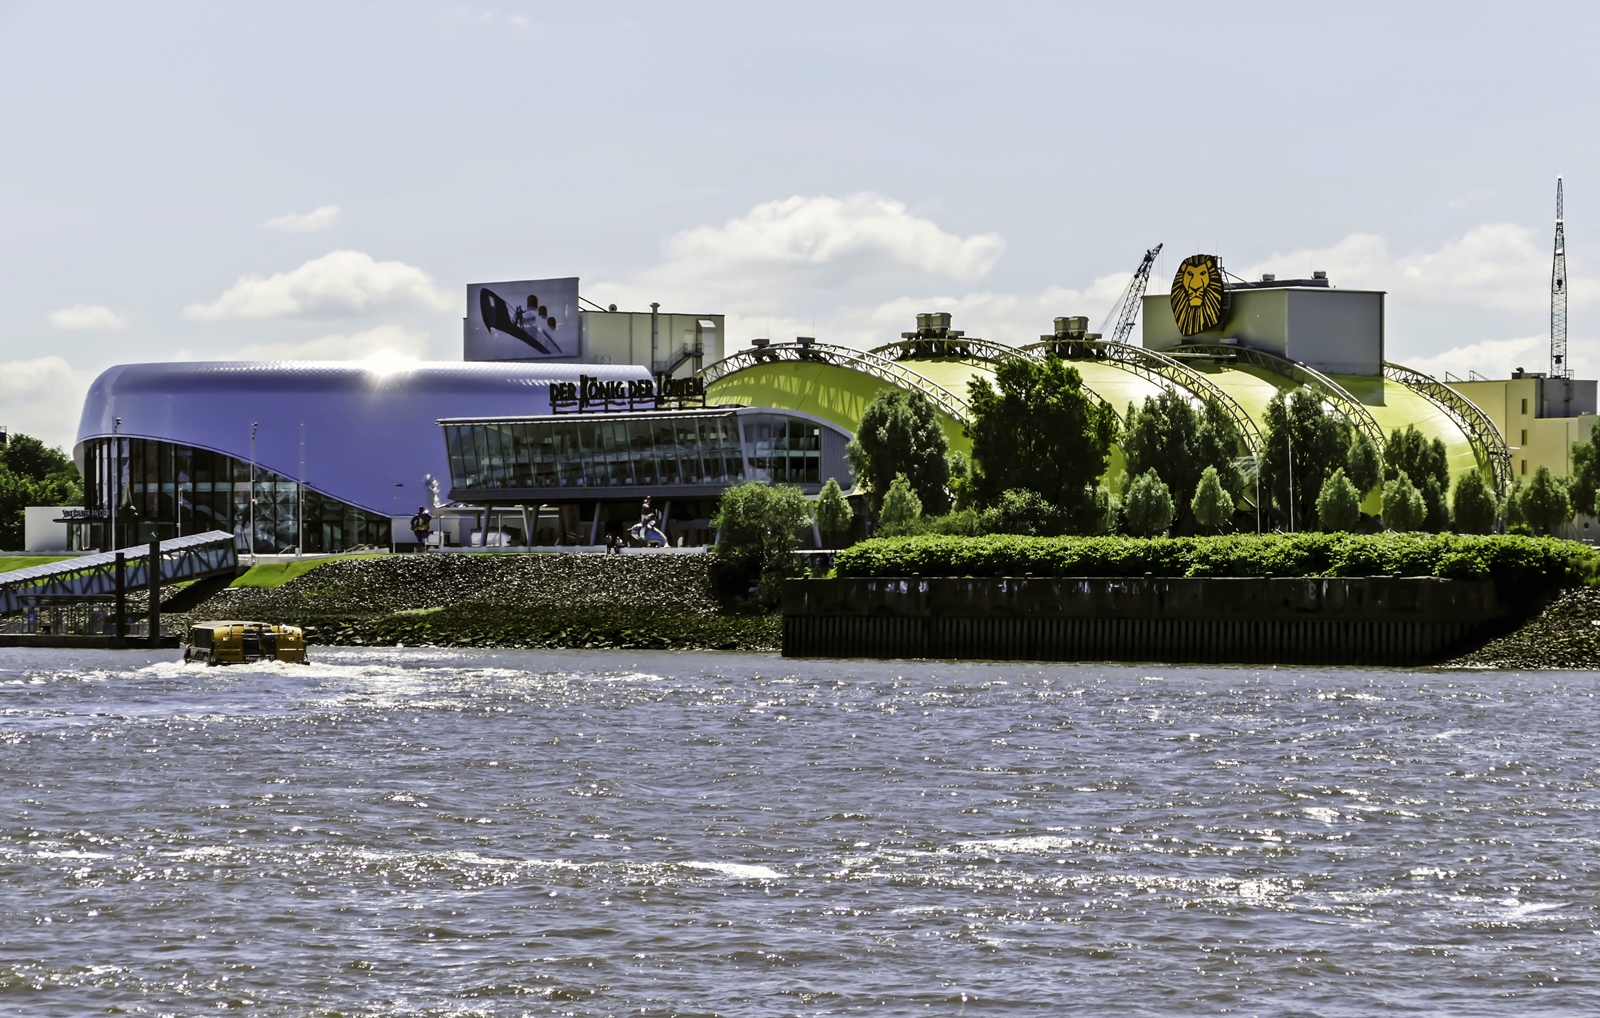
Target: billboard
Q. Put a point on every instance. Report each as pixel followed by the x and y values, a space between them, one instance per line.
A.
pixel 522 320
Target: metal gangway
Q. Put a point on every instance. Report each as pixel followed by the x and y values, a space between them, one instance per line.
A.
pixel 94 577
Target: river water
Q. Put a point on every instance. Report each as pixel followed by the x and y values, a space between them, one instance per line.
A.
pixel 600 833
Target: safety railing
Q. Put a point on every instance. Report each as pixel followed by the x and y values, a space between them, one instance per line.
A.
pixel 90 576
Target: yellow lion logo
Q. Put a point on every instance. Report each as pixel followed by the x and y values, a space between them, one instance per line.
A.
pixel 1198 295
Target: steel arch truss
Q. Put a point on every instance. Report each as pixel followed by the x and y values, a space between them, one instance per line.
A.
pixel 1158 368
pixel 1336 395
pixel 959 348
pixel 1487 442
pixel 185 558
pixel 882 368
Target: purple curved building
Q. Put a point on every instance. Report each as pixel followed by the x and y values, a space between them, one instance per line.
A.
pixel 171 449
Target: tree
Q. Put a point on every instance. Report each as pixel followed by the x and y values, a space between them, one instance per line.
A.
pixel 1511 507
pixel 1545 503
pixel 1473 505
pixel 1403 508
pixel 1363 466
pixel 1211 506
pixel 1148 507
pixel 1425 463
pixel 959 466
pixel 1038 428
pixel 1303 444
pixel 900 434
pixel 834 515
pixel 1339 503
pixel 1170 436
pixel 758 528
pixel 901 508
pixel 32 473
pixel 1585 473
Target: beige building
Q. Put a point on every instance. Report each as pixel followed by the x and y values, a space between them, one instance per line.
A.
pixel 1540 417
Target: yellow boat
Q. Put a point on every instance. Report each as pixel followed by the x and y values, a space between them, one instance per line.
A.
pixel 227 643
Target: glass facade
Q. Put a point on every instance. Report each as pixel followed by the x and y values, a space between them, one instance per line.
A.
pixel 162 490
pixel 783 449
pixel 597 455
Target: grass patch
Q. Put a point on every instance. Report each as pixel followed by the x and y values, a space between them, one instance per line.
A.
pixel 276 574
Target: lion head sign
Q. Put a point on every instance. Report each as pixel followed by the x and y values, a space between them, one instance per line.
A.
pixel 1199 296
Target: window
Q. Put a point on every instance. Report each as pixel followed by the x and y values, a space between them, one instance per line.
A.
pixel 1524 437
pixel 1524 406
pixel 1524 466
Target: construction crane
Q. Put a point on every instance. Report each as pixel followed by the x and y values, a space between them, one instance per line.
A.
pixel 1126 310
pixel 1559 368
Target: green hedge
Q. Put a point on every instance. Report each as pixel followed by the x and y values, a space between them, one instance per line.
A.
pixel 1512 559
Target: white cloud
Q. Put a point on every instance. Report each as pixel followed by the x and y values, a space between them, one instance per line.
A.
pixel 43 398
pixel 383 342
pixel 338 282
pixel 88 317
pixel 1495 266
pixel 807 241
pixel 316 220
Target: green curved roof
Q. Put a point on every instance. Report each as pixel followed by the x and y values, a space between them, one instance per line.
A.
pixel 840 395
pixel 836 394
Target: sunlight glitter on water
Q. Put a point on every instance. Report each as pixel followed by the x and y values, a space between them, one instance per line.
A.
pixel 450 832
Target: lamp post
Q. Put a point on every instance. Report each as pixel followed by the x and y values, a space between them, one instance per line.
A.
pixel 115 479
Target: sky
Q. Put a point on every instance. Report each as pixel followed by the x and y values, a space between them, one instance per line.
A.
pixel 322 180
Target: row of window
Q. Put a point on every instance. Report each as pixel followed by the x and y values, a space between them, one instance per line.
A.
pixel 164 490
pixel 642 451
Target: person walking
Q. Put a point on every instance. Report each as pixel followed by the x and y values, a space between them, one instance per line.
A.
pixel 422 526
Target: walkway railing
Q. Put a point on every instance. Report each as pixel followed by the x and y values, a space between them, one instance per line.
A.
pixel 184 558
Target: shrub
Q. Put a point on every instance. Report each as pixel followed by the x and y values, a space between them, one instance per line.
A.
pixel 834 515
pixel 1545 505
pixel 758 528
pixel 1147 509
pixel 1339 503
pixel 902 509
pixel 1473 504
pixel 1020 511
pixel 1507 559
pixel 1211 506
pixel 1403 507
pixel 963 522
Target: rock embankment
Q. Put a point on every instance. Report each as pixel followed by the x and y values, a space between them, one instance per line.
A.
pixel 645 601
pixel 1565 633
